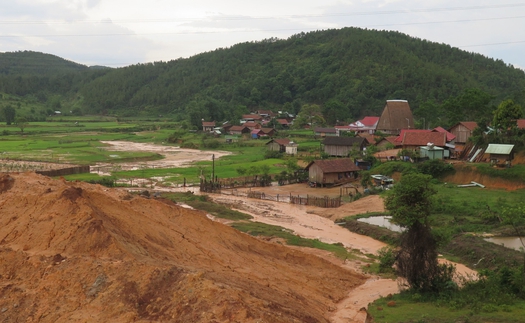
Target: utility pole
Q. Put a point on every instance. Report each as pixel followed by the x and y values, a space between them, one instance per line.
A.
pixel 213 168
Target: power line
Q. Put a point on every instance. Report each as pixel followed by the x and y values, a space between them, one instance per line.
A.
pixel 217 17
pixel 256 30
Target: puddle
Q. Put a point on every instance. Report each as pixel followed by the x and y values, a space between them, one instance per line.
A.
pixel 382 221
pixel 509 242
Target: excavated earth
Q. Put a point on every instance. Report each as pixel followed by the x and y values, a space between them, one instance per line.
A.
pixel 76 252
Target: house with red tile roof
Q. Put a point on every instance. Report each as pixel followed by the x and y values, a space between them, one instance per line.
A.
pixel 414 140
pixel 450 136
pixel 399 139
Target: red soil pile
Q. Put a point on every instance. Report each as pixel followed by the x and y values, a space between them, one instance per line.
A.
pixel 75 252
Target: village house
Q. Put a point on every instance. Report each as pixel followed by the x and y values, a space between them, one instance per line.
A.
pixel 239 130
pixel 325 132
pixel 252 125
pixel 388 142
pixel 463 130
pixel 342 146
pixel 291 148
pixel 283 122
pixel 332 172
pixel 263 132
pixel 451 138
pixel 500 154
pixel 396 116
pixel 208 126
pixel 278 144
pixel 251 118
pixel 432 145
pixel 265 114
pixel 366 125
pixel 269 132
pixel 399 139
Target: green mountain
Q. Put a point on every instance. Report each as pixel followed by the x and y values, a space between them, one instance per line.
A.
pixel 34 63
pixel 349 72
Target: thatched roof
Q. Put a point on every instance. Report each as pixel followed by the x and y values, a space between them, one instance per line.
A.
pixel 395 116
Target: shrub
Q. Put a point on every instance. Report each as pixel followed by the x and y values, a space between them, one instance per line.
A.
pixel 273 154
pixel 435 168
pixel 387 259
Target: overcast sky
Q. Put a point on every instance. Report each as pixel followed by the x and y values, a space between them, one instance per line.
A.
pixel 123 32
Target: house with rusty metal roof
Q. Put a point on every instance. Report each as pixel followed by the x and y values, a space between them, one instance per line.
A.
pixel 278 144
pixel 342 146
pixel 332 171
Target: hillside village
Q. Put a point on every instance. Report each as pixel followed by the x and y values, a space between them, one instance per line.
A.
pixel 393 135
pixel 233 186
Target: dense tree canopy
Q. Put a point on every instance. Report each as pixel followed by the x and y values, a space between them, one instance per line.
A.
pixel 348 72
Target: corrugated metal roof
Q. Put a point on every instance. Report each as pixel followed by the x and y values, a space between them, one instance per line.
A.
pixel 335 165
pixel 499 149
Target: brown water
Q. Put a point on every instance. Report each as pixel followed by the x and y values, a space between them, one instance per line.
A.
pixel 509 242
pixel 382 221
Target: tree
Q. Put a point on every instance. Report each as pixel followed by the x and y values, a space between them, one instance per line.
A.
pixel 21 122
pixel 309 114
pixel 9 114
pixel 409 203
pixel 505 117
pixel 515 217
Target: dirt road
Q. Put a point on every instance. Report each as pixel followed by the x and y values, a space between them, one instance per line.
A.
pixel 173 156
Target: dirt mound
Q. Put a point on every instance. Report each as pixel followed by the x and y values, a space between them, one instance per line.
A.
pixel 465 174
pixel 75 252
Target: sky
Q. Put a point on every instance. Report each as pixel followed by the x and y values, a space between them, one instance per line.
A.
pixel 118 33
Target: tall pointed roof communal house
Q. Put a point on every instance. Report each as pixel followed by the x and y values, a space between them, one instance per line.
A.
pixel 395 116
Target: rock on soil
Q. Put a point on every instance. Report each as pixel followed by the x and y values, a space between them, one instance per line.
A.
pixel 76 252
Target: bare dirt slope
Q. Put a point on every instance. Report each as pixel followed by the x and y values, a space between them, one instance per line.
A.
pixel 75 252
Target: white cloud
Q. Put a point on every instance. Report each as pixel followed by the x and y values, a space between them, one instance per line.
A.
pixel 117 32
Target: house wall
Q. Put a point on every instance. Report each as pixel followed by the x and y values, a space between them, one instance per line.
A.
pixel 273 146
pixel 315 174
pixel 339 151
pixel 461 132
pixel 291 150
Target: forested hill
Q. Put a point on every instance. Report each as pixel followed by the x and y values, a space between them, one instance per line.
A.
pixel 34 63
pixel 349 72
